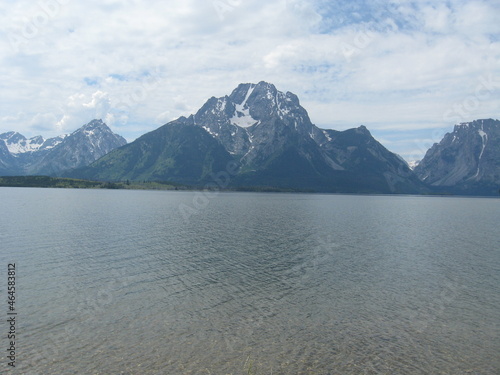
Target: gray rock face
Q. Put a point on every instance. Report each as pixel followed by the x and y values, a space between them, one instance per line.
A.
pixel 8 163
pixel 467 157
pixel 22 156
pixel 356 151
pixel 80 148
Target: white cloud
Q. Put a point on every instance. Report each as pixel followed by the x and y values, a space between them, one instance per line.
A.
pixel 43 122
pixel 437 18
pixel 80 109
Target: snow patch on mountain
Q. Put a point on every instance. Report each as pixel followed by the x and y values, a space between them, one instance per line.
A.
pixel 18 144
pixel 243 119
pixel 413 163
pixel 241 116
pixel 210 131
pixel 326 135
pixel 465 159
pixel 38 155
pixel 24 146
pixel 484 139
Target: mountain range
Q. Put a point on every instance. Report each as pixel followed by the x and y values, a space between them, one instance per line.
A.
pixel 266 139
pixel 37 156
pixel 268 136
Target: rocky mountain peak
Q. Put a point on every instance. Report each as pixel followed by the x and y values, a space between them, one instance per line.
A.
pixel 12 137
pixel 96 123
pixel 97 130
pixel 363 130
pixel 262 101
pixel 251 113
pixel 37 140
pixel 239 94
pixel 250 104
pixel 19 144
pixel 47 156
pixel 470 155
pixel 92 127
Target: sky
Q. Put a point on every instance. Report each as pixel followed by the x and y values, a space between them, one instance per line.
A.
pixel 407 70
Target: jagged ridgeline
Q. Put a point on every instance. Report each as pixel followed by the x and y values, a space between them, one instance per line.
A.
pixel 260 138
pixel 268 135
pixel 20 156
pixel 466 160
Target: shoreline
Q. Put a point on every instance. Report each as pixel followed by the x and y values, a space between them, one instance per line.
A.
pixel 72 183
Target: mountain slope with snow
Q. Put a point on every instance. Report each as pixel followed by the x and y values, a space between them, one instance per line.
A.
pixel 467 158
pixel 22 156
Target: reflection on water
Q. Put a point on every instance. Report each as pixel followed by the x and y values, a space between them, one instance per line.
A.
pixel 118 282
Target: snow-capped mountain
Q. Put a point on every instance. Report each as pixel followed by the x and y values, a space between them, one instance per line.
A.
pixel 80 148
pixel 467 158
pixel 21 156
pixel 251 120
pixel 267 130
pixel 268 135
pixel 18 144
pixel 18 152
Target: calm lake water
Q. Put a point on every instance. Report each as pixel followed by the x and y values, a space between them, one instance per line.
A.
pixel 152 282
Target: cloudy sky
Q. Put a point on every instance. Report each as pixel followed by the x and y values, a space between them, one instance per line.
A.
pixel 408 70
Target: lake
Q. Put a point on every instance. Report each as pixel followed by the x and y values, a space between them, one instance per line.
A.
pixel 164 282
